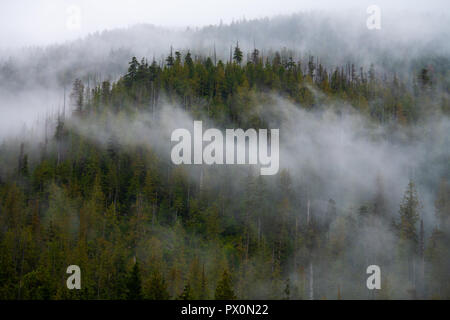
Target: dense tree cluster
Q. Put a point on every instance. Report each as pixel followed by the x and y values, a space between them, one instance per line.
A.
pixel 141 228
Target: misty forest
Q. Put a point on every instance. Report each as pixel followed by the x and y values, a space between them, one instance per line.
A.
pixel 364 173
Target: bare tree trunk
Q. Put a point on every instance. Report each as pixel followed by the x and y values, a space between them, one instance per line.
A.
pixel 311 280
pixel 295 243
pixel 273 258
pixel 201 179
pixel 421 271
pixel 307 212
pixel 311 267
pixel 259 230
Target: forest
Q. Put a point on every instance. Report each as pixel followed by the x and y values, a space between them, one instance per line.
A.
pixel 99 189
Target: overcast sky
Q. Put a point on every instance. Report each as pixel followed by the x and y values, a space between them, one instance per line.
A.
pixel 40 22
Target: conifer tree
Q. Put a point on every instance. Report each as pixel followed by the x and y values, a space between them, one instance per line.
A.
pixel 187 293
pixel 134 289
pixel 157 288
pixel 224 289
pixel 237 55
pixel 409 215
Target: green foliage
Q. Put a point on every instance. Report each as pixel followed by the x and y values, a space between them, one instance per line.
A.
pixel 224 289
pixel 237 55
pixel 409 215
pixel 187 293
pixel 134 288
pixel 156 288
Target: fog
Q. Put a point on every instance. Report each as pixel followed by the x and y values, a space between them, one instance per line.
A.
pixel 43 22
pixel 340 152
pixel 32 74
pixel 36 81
pixel 331 153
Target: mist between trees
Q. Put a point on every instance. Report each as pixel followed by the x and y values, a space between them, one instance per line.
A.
pixel 364 170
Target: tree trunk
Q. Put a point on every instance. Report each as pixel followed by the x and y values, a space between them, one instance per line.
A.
pixel 311 281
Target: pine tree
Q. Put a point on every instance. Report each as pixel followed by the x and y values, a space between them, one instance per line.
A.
pixel 379 202
pixel 77 96
pixel 187 293
pixel 442 206
pixel 134 290
pixel 237 55
pixel 424 78
pixel 287 290
pixel 224 289
pixel 157 288
pixel 204 286
pixel 409 215
pixel 408 243
pixel 130 77
pixel 170 60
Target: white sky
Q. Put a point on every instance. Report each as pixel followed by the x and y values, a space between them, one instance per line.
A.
pixel 40 22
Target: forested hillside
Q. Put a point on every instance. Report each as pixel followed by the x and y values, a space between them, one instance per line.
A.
pixel 99 189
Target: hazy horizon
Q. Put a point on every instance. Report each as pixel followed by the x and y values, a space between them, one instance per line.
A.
pixel 40 23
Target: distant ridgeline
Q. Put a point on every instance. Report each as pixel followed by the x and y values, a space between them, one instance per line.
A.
pixel 230 91
pixel 139 227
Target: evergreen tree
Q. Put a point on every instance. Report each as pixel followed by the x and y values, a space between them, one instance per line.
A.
pixel 157 288
pixel 237 55
pixel 409 215
pixel 408 243
pixel 287 290
pixel 134 289
pixel 442 206
pixel 77 96
pixel 224 289
pixel 187 293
